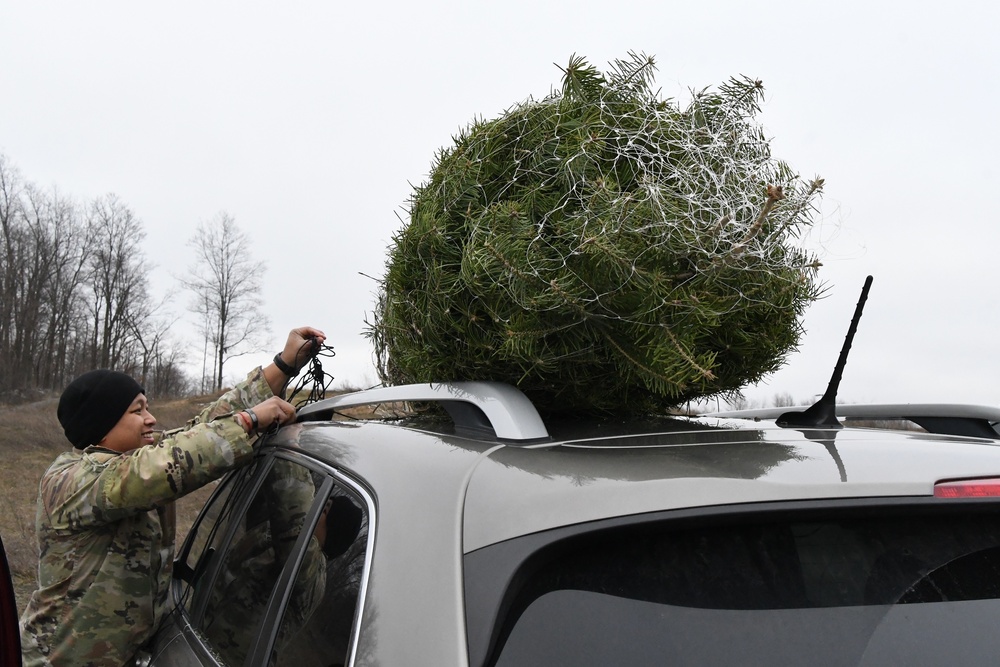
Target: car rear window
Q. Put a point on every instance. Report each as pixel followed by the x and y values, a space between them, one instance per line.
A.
pixel 861 586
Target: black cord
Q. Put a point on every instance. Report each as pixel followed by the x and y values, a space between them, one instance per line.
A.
pixel 313 375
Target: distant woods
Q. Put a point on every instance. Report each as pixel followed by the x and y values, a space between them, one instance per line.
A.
pixel 74 296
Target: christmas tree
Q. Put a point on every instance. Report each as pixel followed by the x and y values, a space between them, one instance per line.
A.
pixel 602 249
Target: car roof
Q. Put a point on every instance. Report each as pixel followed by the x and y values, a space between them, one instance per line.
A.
pixel 493 490
pixel 725 464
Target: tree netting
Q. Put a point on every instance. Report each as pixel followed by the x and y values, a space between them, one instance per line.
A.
pixel 602 249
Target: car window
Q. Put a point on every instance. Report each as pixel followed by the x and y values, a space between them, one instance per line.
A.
pixel 324 638
pixel 277 557
pixel 212 524
pixel 852 589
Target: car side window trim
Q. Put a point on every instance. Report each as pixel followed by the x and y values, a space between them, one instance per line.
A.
pixel 360 492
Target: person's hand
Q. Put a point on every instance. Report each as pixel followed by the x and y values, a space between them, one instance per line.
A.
pixel 273 410
pixel 302 343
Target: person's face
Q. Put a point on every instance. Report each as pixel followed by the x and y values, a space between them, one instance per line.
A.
pixel 133 430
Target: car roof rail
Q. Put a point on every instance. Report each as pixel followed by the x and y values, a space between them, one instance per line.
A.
pixel 490 406
pixel 978 421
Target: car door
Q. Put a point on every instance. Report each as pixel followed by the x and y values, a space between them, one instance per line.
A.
pixel 273 570
pixel 10 636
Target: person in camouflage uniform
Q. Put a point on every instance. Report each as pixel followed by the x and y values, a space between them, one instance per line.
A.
pixel 105 518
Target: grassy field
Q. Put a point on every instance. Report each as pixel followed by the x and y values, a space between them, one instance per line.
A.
pixel 30 439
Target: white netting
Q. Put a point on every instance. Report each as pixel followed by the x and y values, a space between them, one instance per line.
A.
pixel 603 216
pixel 701 184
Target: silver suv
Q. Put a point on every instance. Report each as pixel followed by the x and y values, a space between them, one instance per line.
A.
pixel 494 538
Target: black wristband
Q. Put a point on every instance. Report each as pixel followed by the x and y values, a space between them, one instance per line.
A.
pixel 254 424
pixel 283 367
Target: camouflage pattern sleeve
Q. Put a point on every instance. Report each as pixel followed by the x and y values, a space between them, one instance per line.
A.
pixel 177 465
pixel 185 459
pixel 106 486
pixel 253 390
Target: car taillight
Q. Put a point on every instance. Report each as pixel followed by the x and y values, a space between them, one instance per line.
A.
pixel 968 488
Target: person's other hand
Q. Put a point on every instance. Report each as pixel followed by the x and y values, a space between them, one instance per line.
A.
pixel 273 410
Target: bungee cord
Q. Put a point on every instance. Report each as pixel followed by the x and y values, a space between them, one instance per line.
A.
pixel 311 375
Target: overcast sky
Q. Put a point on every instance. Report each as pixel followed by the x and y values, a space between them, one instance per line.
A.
pixel 310 121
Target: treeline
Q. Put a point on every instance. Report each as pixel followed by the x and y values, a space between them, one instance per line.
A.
pixel 73 294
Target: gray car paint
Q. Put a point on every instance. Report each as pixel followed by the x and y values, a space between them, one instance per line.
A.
pixel 439 495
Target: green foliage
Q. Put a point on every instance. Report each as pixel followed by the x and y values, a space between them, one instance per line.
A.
pixel 602 249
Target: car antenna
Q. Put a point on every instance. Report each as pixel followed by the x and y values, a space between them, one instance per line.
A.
pixel 824 411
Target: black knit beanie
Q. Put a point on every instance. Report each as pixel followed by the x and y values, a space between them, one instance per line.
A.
pixel 93 403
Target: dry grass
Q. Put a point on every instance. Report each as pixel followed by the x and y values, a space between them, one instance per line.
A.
pixel 30 439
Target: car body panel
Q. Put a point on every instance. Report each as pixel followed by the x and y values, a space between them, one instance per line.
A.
pixel 474 492
pixel 563 484
pixel 442 493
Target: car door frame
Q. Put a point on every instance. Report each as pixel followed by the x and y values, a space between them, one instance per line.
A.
pixel 178 642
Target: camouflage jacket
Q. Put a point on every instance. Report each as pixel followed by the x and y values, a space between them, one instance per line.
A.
pixel 105 525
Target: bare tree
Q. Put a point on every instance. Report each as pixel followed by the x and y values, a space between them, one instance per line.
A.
pixel 783 400
pixel 11 237
pixel 150 334
pixel 65 329
pixel 167 377
pixel 201 305
pixel 226 282
pixel 118 272
pixel 738 402
pixel 57 252
pixel 41 240
pixel 160 367
pixel 73 293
